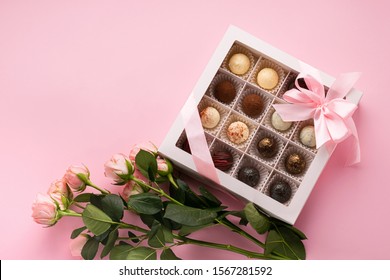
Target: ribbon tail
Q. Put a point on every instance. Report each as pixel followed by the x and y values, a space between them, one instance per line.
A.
pixel 354 156
pixel 197 141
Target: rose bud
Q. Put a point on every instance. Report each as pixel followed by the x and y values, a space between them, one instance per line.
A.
pixel 164 167
pixel 131 188
pixel 44 210
pixel 76 177
pixel 60 192
pixel 143 146
pixel 119 168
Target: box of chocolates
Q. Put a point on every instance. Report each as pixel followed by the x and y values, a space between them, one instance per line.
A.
pixel 257 155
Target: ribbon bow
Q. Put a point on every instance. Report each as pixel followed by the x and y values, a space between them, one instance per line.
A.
pixel 331 113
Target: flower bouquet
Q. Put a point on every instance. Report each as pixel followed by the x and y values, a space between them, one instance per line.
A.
pixel 168 209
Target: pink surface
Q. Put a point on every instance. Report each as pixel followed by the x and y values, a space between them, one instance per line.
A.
pixel 81 80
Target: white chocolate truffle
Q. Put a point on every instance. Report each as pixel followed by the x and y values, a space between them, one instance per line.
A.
pixel 307 136
pixel 210 117
pixel 278 123
pixel 267 78
pixel 239 63
pixel 238 132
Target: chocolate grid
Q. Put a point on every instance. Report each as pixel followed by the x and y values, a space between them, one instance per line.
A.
pixel 246 154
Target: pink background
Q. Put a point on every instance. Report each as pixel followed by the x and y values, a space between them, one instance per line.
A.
pixel 81 80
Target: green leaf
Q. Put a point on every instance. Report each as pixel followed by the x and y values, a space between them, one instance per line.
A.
pixel 84 197
pixel 77 232
pixel 112 205
pixel 156 237
pixel 128 252
pixel 191 198
pixel 151 174
pixel 96 200
pixel 177 193
pixel 146 163
pixel 96 220
pixel 284 242
pixel 210 197
pixel 167 254
pixel 90 249
pixel 112 238
pixel 257 220
pixel 300 234
pixel 147 219
pixel 186 230
pixel 145 203
pixel 142 253
pixel 189 216
pixel 120 252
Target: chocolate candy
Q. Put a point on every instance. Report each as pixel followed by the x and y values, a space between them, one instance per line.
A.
pixel 210 117
pixel 238 132
pixel 239 63
pixel 223 160
pixel 225 91
pixel 249 175
pixel 307 136
pixel 280 191
pixel 267 78
pixel 295 163
pixel 252 105
pixel 267 147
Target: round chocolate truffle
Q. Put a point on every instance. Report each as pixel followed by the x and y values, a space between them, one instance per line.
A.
pixel 267 78
pixel 210 117
pixel 267 147
pixel 280 191
pixel 249 175
pixel 238 132
pixel 225 91
pixel 223 160
pixel 278 123
pixel 252 105
pixel 295 163
pixel 307 136
pixel 239 63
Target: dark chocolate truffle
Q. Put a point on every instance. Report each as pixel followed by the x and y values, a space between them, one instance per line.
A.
pixel 225 91
pixel 223 160
pixel 252 105
pixel 267 147
pixel 280 191
pixel 295 163
pixel 249 176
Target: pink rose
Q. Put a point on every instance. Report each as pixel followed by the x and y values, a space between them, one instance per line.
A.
pixel 131 188
pixel 119 168
pixel 44 210
pixel 164 167
pixel 72 177
pixel 143 146
pixel 59 190
pixel 77 244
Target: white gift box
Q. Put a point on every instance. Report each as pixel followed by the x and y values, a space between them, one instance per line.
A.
pixel 271 170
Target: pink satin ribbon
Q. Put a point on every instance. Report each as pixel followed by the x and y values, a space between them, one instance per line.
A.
pixel 332 114
pixel 197 141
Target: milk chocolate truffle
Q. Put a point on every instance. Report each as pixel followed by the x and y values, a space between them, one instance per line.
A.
pixel 249 176
pixel 225 91
pixel 307 136
pixel 280 191
pixel 278 123
pixel 210 117
pixel 267 147
pixel 252 105
pixel 238 132
pixel 267 78
pixel 239 63
pixel 295 163
pixel 223 160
